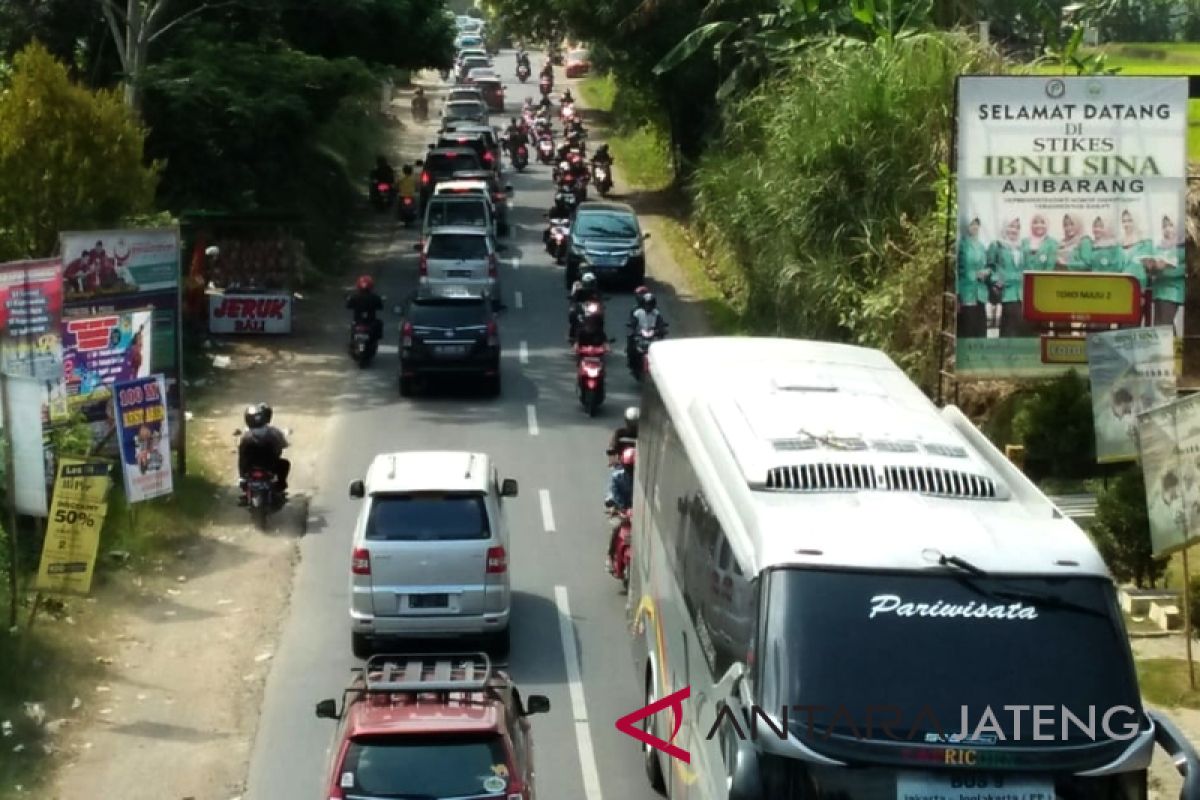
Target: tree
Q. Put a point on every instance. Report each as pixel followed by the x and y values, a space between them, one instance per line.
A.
pixel 1122 530
pixel 1055 425
pixel 69 157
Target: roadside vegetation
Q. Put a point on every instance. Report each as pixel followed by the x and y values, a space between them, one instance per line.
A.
pixel 255 107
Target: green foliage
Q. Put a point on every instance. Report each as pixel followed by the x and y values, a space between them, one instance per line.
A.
pixel 69 158
pixel 409 34
pixel 1137 20
pixel 1121 530
pixel 827 192
pixel 1054 423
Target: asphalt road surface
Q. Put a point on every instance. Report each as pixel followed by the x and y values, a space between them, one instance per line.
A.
pixel 569 639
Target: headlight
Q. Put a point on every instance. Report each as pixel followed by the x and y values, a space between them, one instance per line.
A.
pixel 637 252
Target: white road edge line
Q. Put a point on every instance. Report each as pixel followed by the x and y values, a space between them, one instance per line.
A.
pixel 583 734
pixel 547 510
pixel 518 301
pixel 531 416
pixel 523 353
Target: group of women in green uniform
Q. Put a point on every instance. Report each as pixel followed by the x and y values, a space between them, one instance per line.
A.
pixel 994 273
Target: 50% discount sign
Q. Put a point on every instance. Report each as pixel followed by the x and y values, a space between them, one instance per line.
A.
pixel 73 533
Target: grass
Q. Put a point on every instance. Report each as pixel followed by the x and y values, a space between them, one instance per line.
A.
pixel 1164 682
pixel 599 91
pixel 644 152
pixel 1156 59
pixel 722 314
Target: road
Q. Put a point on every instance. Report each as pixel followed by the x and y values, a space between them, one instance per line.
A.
pixel 568 612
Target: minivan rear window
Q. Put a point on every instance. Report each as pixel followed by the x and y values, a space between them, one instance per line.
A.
pixel 428 517
pixel 444 163
pixel 457 246
pixel 458 212
pixel 424 765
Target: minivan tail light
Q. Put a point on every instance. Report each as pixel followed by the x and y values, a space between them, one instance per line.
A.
pixel 406 334
pixel 493 266
pixel 361 562
pixel 497 561
pixel 493 334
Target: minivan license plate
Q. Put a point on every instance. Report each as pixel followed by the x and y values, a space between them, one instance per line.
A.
pixel 972 786
pixel 458 273
pixel 428 600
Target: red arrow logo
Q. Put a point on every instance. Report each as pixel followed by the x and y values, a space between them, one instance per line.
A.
pixel 628 724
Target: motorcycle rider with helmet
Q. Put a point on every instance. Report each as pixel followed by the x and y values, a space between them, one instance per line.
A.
pixel 366 305
pixel 620 497
pixel 602 156
pixel 261 447
pixel 645 317
pixel 383 172
pixel 627 430
pixel 584 291
pixel 514 137
pixel 563 208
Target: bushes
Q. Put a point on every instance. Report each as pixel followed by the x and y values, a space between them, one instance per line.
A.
pixel 1054 423
pixel 1121 530
pixel 826 189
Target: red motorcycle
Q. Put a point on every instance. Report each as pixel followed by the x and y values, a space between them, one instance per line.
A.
pixel 622 547
pixel 589 376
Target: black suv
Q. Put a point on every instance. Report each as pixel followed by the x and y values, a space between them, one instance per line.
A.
pixel 500 194
pixel 441 163
pixel 449 335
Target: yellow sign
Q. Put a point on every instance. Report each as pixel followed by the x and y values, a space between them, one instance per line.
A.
pixel 73 530
pixel 1082 297
pixel 1064 350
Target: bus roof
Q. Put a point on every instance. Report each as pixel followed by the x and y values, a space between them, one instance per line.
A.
pixel 828 455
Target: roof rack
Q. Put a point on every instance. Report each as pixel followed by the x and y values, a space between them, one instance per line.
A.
pixel 427 672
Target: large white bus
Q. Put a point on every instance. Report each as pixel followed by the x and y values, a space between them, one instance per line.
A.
pixel 861 594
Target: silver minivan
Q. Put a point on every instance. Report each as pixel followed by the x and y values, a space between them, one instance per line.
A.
pixel 460 258
pixel 430 550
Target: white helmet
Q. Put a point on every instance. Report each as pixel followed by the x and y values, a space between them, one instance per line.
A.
pixel 632 415
pixel 588 280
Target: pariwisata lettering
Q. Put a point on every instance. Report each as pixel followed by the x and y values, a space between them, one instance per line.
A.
pixel 894 604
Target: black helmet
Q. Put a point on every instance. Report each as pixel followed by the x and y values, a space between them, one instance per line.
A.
pixel 513 121
pixel 649 302
pixel 258 416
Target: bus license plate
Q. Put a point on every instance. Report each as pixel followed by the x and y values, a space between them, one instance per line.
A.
pixel 973 786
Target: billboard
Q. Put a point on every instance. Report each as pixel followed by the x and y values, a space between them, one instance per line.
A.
pixel 31 299
pixel 142 428
pixel 121 272
pixel 269 312
pixel 1071 196
pixel 1169 448
pixel 73 531
pixel 1131 371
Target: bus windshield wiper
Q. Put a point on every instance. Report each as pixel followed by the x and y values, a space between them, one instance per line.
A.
pixel 954 561
pixel 1043 599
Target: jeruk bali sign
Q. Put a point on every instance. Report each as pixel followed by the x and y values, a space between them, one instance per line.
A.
pixel 250 313
pixel 1071 217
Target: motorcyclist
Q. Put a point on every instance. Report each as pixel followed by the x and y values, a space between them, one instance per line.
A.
pixel 523 58
pixel 602 156
pixel 366 305
pixel 407 187
pixel 627 430
pixel 645 317
pixel 547 70
pixel 620 497
pixel 590 330
pixel 564 206
pixel 639 298
pixel 261 447
pixel 566 98
pixel 583 291
pixel 515 136
pixel 383 172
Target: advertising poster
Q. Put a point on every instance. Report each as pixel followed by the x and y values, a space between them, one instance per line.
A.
pixel 73 530
pixel 31 301
pixel 1169 447
pixel 24 402
pixel 141 413
pixel 101 351
pixel 1132 371
pixel 250 313
pixel 99 263
pixel 1070 217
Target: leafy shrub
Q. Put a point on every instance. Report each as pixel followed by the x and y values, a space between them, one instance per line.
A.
pixel 1054 423
pixel 1121 530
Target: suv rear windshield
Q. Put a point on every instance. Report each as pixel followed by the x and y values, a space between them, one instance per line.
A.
pixel 448 313
pixel 428 517
pixel 460 246
pixel 954 645
pixel 471 211
pixel 424 765
pixel 448 163
pixel 475 62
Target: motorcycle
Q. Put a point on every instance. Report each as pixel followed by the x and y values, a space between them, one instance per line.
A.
pixel 639 347
pixel 602 177
pixel 589 376
pixel 260 491
pixel 545 86
pixel 362 343
pixel 556 238
pixel 382 194
pixel 522 72
pixel 567 112
pixel 520 157
pixel 618 563
pixel 545 147
pixel 408 210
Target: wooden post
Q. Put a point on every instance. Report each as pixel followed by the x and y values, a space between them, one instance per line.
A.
pixel 1187 618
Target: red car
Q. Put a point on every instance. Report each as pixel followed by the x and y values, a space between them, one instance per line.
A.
pixel 578 64
pixel 437 725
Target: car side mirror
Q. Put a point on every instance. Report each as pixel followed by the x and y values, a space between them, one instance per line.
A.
pixel 537 704
pixel 645 236
pixel 237 431
pixel 508 488
pixel 417 247
pixel 357 489
pixel 327 709
pixel 431 146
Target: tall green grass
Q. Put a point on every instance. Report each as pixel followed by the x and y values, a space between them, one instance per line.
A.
pixel 826 194
pixel 637 137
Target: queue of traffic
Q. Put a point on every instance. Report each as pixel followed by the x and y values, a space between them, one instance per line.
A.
pixel 805 543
